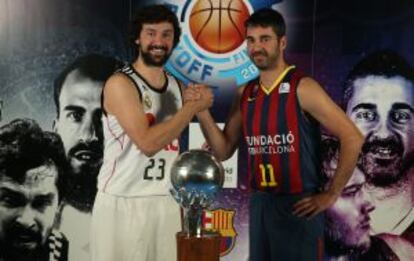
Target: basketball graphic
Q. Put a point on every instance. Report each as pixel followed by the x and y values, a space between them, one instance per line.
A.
pixel 217 26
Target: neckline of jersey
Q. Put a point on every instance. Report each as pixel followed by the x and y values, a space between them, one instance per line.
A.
pixel 277 81
pixel 163 88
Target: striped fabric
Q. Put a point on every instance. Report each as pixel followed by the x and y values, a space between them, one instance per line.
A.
pixel 282 143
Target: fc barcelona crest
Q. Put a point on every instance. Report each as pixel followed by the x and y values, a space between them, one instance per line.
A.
pixel 222 221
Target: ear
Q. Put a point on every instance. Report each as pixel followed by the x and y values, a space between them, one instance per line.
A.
pixel 283 42
pixel 137 41
pixel 54 125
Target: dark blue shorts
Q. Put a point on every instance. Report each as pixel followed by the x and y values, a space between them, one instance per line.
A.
pixel 276 234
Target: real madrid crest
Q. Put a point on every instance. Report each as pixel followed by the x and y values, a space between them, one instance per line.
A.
pixel 147 101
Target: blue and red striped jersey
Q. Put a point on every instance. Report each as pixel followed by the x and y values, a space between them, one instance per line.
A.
pixel 283 142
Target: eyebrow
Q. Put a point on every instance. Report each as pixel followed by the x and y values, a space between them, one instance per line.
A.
pixel 8 191
pixel 4 189
pixel 260 36
pixel 164 31
pixel 12 192
pixel 48 196
pixel 368 106
pixel 402 106
pixel 74 108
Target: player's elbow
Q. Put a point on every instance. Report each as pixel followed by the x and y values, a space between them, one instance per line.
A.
pixel 220 157
pixel 150 150
pixel 147 148
pixel 223 154
pixel 149 153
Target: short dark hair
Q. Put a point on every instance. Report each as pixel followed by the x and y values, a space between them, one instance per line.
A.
pixel 24 146
pixel 386 63
pixel 152 14
pixel 94 66
pixel 266 17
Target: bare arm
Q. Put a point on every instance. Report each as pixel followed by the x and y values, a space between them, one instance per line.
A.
pixel 223 143
pixel 122 100
pixel 316 102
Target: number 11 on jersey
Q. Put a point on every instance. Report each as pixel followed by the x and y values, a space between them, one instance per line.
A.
pixel 267 182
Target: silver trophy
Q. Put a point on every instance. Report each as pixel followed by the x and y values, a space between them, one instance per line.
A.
pixel 196 177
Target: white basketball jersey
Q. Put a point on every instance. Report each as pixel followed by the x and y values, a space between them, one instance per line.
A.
pixel 126 171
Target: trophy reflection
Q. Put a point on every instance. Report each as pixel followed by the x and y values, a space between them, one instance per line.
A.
pixel 196 177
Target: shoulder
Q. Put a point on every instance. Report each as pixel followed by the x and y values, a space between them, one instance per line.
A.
pixel 242 91
pixel 309 88
pixel 307 83
pixel 120 86
pixel 254 83
pixel 118 80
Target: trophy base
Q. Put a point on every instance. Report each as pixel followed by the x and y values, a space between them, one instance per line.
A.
pixel 192 248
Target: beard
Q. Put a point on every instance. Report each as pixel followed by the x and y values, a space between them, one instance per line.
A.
pixel 382 161
pixel 81 182
pixel 23 244
pixel 154 60
pixel 263 60
pixel 81 188
pixel 335 235
pixel 260 59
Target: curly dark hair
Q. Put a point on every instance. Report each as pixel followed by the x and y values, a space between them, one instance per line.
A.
pixel 152 14
pixel 24 146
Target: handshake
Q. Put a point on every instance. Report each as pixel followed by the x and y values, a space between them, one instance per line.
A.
pixel 198 96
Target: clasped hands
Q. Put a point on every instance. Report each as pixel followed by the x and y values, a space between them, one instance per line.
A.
pixel 199 96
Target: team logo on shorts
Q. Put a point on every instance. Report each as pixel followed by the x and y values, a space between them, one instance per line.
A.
pixel 222 221
pixel 212 48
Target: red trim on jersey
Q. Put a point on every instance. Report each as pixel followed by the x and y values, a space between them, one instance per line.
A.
pixel 257 117
pixel 293 126
pixel 321 250
pixel 121 142
pixel 110 176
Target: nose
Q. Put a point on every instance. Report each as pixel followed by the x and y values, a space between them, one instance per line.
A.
pixel 27 217
pixel 158 39
pixel 89 129
pixel 367 205
pixel 254 47
pixel 382 130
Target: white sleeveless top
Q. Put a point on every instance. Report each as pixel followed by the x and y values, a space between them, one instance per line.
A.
pixel 126 171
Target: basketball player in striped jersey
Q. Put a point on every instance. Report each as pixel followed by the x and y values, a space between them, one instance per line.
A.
pixel 278 116
pixel 134 217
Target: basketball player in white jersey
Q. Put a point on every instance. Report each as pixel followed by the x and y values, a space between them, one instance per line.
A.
pixel 134 217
